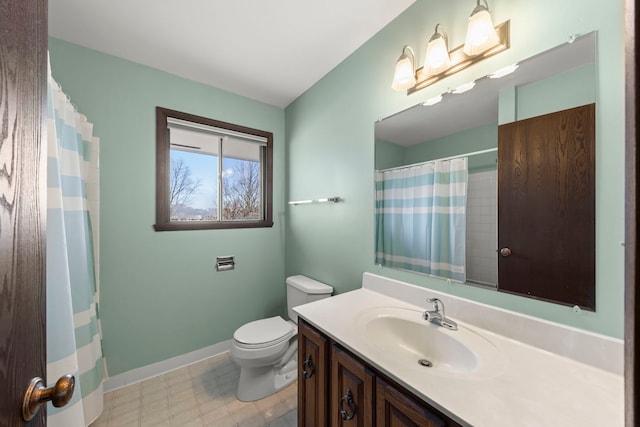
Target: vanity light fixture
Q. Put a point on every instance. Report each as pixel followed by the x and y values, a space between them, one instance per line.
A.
pixel 481 35
pixel 404 76
pixel 437 60
pixel 483 40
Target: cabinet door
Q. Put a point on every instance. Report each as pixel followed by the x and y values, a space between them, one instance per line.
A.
pixel 313 370
pixel 394 409
pixel 352 388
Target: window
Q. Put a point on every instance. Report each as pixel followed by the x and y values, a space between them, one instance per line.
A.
pixel 211 174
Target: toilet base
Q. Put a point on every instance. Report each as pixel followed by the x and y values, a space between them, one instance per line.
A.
pixel 258 383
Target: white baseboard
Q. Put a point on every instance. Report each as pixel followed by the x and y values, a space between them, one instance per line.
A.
pixel 146 372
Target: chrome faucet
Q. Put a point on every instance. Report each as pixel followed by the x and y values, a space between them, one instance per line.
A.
pixel 437 315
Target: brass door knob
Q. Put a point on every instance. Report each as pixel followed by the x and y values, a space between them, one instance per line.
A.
pixel 37 394
pixel 505 252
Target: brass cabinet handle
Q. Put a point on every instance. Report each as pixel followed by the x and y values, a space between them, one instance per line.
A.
pixel 348 398
pixel 505 252
pixel 308 363
pixel 37 394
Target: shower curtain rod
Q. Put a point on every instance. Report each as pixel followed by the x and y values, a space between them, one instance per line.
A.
pixel 473 153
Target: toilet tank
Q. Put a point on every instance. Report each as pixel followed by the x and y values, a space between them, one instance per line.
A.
pixel 301 290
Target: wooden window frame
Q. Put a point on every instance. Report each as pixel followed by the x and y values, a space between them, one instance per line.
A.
pixel 163 161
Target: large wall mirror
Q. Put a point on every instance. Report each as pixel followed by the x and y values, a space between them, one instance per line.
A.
pixel 463 126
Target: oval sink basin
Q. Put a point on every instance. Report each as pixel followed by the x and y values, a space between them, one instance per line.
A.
pixel 400 335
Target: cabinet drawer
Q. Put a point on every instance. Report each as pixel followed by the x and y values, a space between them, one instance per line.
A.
pixel 394 408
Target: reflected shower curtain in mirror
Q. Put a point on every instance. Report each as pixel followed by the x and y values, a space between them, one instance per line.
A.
pixel 73 332
pixel 421 218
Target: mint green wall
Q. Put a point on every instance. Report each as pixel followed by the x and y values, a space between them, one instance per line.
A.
pixel 570 89
pixel 480 138
pixel 388 155
pixel 330 147
pixel 160 293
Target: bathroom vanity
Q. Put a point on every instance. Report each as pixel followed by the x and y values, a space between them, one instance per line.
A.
pixel 368 358
pixel 334 379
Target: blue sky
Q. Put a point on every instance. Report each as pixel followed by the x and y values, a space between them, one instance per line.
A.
pixel 205 168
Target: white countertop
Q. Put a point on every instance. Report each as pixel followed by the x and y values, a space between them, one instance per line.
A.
pixel 530 387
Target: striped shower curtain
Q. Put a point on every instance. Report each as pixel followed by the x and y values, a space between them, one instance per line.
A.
pixel 421 218
pixel 73 332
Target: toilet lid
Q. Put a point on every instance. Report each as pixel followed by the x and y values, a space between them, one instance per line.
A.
pixel 264 332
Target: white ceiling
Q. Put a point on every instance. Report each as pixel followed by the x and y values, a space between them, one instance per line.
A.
pixel 271 51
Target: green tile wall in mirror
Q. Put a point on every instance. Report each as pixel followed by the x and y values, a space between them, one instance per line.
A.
pixel 467 125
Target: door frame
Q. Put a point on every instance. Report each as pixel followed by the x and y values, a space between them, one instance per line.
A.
pixel 632 257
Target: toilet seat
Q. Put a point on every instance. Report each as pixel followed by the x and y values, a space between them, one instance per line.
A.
pixel 263 333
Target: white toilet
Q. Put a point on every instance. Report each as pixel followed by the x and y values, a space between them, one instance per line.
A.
pixel 267 350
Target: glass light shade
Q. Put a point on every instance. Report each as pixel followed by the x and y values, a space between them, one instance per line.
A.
pixel 481 34
pixel 437 58
pixel 404 75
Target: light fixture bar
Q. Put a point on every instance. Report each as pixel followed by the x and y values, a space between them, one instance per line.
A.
pixel 460 61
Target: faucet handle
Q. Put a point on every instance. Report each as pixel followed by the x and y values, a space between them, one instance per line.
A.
pixel 437 303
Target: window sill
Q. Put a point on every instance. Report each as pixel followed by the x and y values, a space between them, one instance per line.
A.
pixel 205 225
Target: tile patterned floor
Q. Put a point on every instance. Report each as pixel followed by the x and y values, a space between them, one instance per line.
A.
pixel 202 395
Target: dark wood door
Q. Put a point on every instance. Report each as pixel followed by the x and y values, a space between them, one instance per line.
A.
pixel 352 391
pixel 395 409
pixel 546 207
pixel 313 376
pixel 23 68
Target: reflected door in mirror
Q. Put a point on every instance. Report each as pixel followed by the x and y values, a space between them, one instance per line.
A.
pixel 546 207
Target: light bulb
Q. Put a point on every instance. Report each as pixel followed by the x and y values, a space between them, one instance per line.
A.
pixel 404 76
pixel 437 58
pixel 481 34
